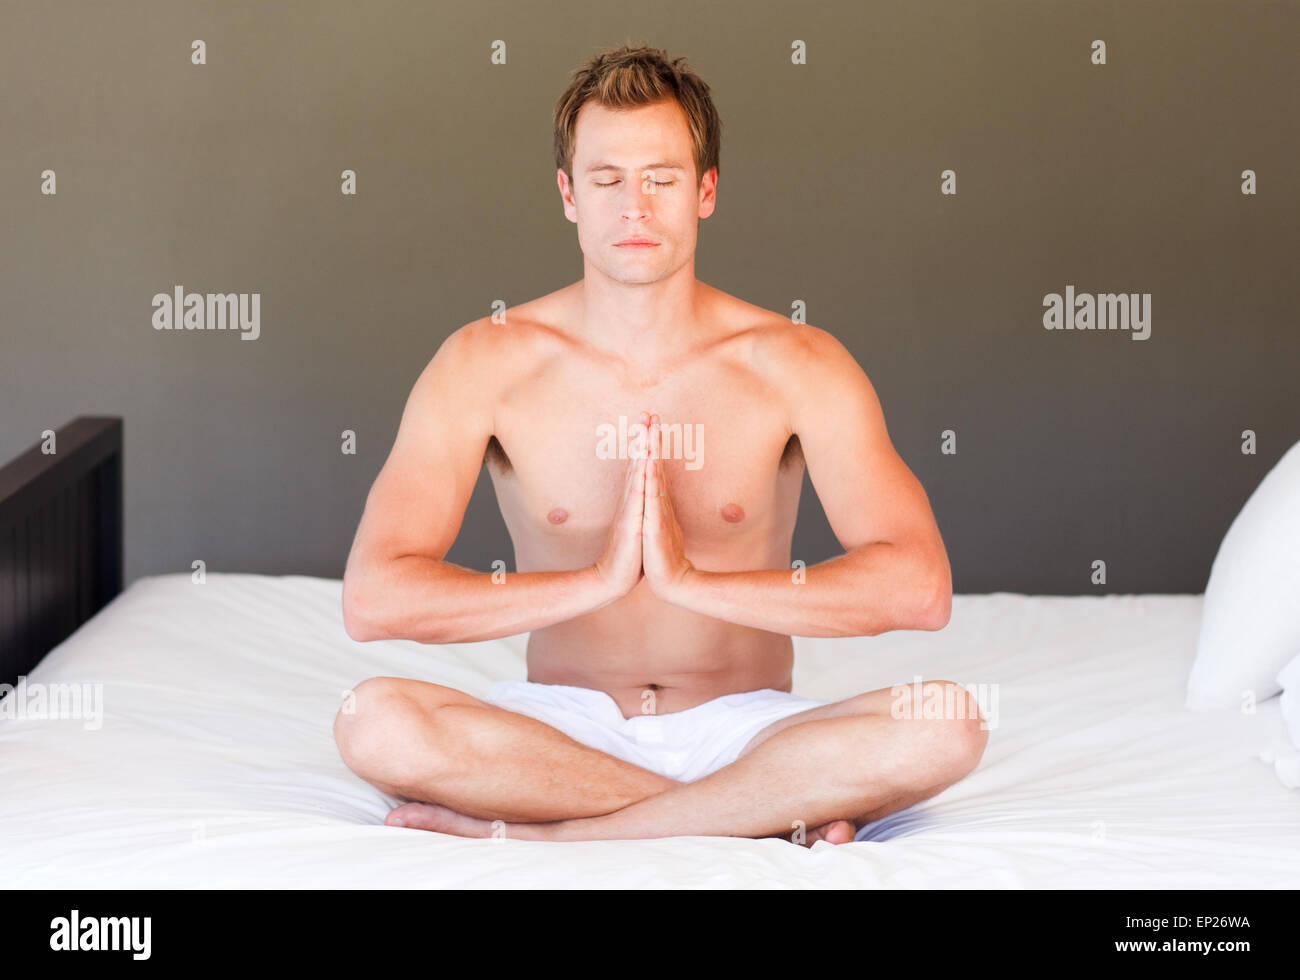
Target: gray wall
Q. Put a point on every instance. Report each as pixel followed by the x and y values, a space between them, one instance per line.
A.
pixel 1071 446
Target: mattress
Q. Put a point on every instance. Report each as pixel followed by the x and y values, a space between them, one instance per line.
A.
pixel 214 766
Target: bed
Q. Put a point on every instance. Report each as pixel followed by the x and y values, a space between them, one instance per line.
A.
pixel 210 764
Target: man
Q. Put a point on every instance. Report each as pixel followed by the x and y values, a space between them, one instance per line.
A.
pixel 655 582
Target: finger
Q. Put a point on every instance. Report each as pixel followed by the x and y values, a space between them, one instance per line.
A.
pixel 665 488
pixel 633 467
pixel 642 427
pixel 642 433
pixel 637 489
pixel 662 488
pixel 629 487
pixel 647 487
pixel 652 471
pixel 635 492
pixel 650 500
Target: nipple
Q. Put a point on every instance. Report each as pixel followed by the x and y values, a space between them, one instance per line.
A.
pixel 733 513
pixel 558 516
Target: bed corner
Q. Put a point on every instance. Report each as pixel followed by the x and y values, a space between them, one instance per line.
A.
pixel 61 557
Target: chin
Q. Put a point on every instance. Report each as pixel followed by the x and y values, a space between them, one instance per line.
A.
pixel 634 276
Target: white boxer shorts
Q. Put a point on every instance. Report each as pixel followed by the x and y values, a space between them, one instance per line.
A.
pixel 682 745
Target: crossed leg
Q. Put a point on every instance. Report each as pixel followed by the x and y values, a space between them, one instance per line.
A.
pixel 483 770
pixel 405 737
pixel 436 744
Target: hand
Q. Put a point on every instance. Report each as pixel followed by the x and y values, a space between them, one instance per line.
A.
pixel 619 567
pixel 664 554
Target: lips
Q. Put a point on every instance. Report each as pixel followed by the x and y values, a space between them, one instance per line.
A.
pixel 637 241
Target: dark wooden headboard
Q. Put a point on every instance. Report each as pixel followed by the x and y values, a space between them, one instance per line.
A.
pixel 60 539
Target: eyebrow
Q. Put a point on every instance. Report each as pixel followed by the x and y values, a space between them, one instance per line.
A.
pixel 649 166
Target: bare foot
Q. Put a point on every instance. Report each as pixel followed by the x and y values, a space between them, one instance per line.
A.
pixel 834 832
pixel 444 820
pixel 441 819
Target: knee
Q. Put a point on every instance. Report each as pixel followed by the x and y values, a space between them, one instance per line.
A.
pixel 958 738
pixel 947 735
pixel 369 726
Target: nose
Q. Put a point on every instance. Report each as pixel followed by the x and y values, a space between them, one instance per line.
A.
pixel 637 198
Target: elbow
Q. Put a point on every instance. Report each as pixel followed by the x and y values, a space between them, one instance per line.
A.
pixel 936 607
pixel 367 618
pixel 358 616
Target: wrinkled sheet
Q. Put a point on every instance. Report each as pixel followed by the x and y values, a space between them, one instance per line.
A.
pixel 214 764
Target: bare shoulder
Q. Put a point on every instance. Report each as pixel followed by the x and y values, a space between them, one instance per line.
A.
pixel 488 354
pixel 788 355
pixel 801 352
pixel 816 376
pixel 774 343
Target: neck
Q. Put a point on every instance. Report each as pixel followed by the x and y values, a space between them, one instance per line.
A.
pixel 644 324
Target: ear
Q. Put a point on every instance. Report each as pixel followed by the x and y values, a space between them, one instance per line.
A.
pixel 708 192
pixel 566 195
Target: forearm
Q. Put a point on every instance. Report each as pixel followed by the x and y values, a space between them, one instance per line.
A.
pixel 867 591
pixel 432 601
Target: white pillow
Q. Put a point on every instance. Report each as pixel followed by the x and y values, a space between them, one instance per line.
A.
pixel 1250 620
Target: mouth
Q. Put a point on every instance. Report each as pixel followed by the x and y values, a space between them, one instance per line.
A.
pixel 636 243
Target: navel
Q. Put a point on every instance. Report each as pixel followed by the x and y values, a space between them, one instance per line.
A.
pixel 558 516
pixel 733 513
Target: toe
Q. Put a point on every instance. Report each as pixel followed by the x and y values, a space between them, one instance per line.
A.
pixel 833 832
pixel 397 817
pixel 840 832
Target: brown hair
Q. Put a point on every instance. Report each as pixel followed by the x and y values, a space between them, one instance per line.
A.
pixel 631 76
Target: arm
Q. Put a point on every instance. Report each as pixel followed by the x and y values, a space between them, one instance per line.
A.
pixel 397 585
pixel 894 573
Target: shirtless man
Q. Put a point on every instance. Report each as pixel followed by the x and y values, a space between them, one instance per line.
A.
pixel 647 578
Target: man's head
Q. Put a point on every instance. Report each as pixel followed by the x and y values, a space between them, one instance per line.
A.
pixel 637 141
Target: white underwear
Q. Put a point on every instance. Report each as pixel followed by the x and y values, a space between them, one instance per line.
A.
pixel 682 745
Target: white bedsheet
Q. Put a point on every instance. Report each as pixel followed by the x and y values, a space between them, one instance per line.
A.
pixel 215 766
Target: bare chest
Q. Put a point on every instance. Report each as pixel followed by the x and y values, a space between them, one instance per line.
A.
pixel 567 433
